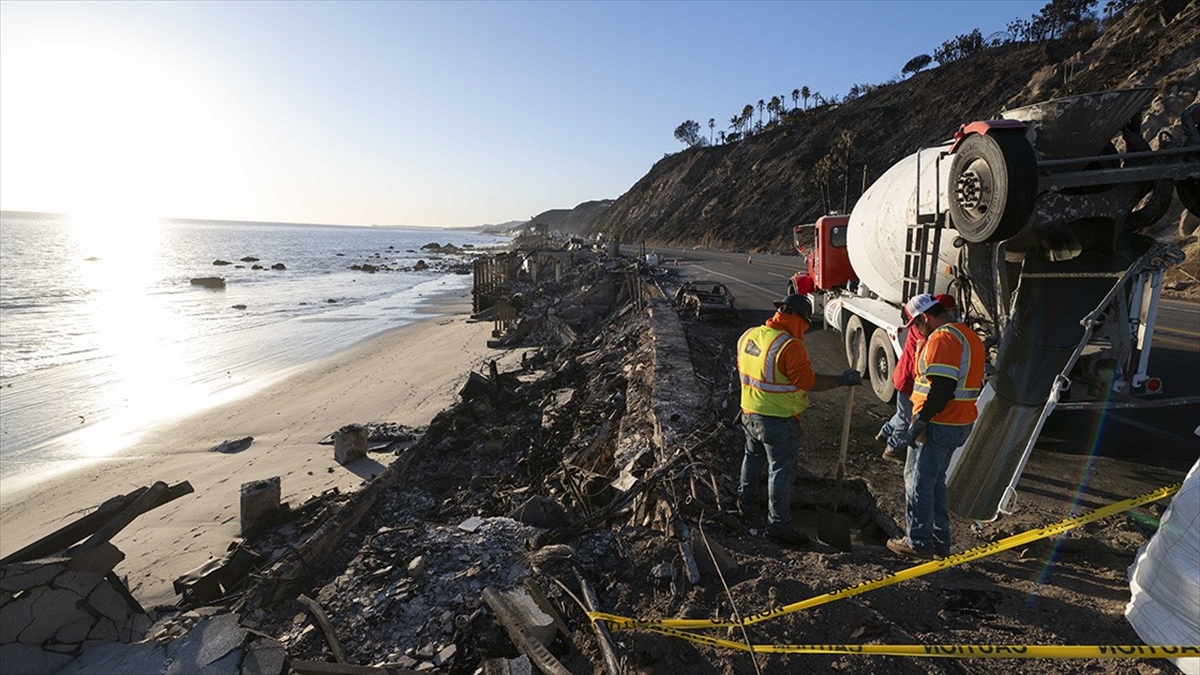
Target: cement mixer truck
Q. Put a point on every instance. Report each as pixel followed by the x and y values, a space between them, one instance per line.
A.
pixel 1032 222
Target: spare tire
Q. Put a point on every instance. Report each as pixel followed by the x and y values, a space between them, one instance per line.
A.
pixel 994 179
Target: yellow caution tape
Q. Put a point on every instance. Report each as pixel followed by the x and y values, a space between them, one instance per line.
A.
pixel 616 622
pixel 955 651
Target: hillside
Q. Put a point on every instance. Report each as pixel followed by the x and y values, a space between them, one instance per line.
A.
pixel 748 195
pixel 578 220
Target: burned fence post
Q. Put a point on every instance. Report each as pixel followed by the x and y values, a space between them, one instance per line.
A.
pixel 259 503
pixel 349 443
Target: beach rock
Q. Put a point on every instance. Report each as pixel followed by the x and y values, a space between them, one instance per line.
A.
pixel 237 445
pixel 279 266
pixel 421 265
pixel 257 267
pixel 218 262
pixel 239 307
pixel 433 245
pixel 249 258
pixel 208 282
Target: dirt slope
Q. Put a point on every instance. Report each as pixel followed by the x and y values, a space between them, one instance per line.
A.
pixel 748 195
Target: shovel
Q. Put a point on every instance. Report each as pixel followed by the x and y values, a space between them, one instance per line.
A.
pixel 832 527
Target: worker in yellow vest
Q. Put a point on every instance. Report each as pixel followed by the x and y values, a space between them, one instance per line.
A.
pixel 949 377
pixel 776 378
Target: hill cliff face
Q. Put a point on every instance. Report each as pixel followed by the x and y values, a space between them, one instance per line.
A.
pixel 748 195
pixel 572 221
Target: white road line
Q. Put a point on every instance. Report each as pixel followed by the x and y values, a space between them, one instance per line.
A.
pixel 781 276
pixel 740 281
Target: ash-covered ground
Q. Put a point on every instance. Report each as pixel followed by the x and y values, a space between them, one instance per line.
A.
pixel 612 457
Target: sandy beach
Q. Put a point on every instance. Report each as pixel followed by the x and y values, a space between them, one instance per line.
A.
pixel 405 376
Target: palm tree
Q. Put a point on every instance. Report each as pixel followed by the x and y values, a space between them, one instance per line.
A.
pixel 761 105
pixel 796 98
pixel 773 106
pixel 804 94
pixel 747 115
pixel 711 123
pixel 735 123
pixel 722 137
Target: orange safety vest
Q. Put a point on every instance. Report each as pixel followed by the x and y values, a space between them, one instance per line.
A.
pixel 953 351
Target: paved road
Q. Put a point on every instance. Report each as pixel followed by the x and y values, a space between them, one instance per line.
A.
pixel 1161 437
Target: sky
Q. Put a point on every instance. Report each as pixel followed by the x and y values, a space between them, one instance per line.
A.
pixel 443 114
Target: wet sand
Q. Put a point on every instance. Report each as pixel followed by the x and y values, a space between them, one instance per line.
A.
pixel 405 376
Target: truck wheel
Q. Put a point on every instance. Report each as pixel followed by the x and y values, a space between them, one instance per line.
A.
pixel 856 344
pixel 882 359
pixel 994 177
pixel 1189 194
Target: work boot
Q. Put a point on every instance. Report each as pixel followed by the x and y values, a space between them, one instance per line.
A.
pixel 790 538
pixel 901 546
pixel 894 454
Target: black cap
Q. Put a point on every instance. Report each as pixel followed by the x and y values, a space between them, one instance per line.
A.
pixel 796 304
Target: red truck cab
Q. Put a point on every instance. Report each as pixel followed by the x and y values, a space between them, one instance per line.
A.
pixel 829 259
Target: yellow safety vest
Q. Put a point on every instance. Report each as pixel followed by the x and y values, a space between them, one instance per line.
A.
pixel 765 389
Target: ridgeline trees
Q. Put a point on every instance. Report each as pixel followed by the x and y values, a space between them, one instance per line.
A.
pixel 960 47
pixel 1055 19
pixel 689 133
pixel 916 64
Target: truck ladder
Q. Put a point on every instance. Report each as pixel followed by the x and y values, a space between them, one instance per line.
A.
pixel 923 238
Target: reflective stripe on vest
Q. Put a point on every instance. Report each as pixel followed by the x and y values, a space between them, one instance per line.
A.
pixel 961 409
pixel 766 390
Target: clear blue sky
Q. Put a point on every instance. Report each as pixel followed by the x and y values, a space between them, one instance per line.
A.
pixel 441 114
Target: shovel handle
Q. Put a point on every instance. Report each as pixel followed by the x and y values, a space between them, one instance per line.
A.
pixel 846 432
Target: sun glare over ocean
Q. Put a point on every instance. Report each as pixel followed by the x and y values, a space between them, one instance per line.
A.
pixel 102 333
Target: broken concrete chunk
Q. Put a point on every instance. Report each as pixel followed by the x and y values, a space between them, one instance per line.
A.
pixel 19 659
pixel 445 654
pixel 471 524
pixel 417 566
pixel 663 571
pixel 210 641
pixel 102 558
pixel 17 615
pixel 349 443
pixel 531 617
pixel 708 550
pixel 20 576
pixel 260 503
pixel 54 608
pixel 264 656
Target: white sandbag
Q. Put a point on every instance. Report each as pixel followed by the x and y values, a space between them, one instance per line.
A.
pixel 1165 577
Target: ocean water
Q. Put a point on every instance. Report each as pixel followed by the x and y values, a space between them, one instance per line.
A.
pixel 102 333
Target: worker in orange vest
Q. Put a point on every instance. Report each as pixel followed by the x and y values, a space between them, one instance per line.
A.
pixel 949 376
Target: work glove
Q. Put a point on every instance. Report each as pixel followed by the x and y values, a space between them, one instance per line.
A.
pixel 849 378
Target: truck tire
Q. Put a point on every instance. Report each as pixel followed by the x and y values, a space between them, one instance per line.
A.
pixel 1189 194
pixel 882 360
pixel 994 177
pixel 856 344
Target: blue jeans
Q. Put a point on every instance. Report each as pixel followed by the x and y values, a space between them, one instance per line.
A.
pixel 773 441
pixel 895 427
pixel 926 508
